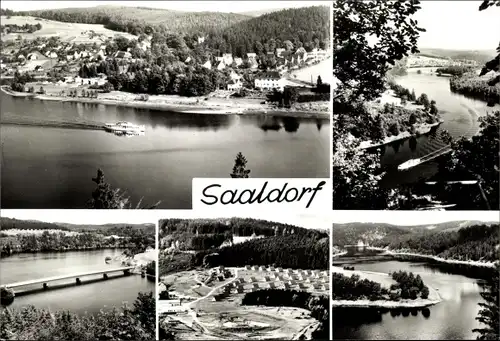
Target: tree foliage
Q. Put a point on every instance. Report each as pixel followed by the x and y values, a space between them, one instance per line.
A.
pixel 370 36
pixel 239 168
pixel 128 323
pixel 490 309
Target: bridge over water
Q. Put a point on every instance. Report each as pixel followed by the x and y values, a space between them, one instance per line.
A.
pixel 77 276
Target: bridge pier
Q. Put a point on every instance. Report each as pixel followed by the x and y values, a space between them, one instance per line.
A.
pixel 78 282
pixel 45 286
pixel 126 272
pixel 105 276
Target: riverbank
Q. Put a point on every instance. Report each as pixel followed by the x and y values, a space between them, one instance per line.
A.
pixel 416 256
pixel 482 264
pixel 63 251
pixel 419 130
pixel 197 105
pixel 386 281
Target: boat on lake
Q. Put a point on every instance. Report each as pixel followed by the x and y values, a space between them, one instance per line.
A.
pixel 125 128
pixel 409 164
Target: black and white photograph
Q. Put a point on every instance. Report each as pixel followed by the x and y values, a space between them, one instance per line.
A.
pixel 74 276
pixel 251 278
pixel 416 105
pixel 415 276
pixel 109 104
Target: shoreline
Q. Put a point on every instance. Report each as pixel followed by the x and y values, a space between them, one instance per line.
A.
pixel 421 130
pixel 396 253
pixel 379 277
pixel 187 108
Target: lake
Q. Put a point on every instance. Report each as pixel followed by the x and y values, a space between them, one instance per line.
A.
pixel 90 297
pixel 451 319
pixel 458 113
pixel 47 165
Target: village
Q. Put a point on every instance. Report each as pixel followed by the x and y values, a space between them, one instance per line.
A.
pixel 191 301
pixel 58 63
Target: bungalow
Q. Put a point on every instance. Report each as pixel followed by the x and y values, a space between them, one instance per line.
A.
pixel 262 268
pixel 247 267
pixel 21 57
pixel 255 267
pixel 201 40
pixel 270 80
pixel 188 59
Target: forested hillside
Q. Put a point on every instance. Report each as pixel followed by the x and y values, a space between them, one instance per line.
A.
pixel 381 234
pixel 307 27
pixel 9 223
pixel 351 233
pixel 204 234
pixel 478 242
pixel 292 251
pixel 137 20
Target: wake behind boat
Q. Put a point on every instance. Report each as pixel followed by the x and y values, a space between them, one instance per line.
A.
pixel 125 128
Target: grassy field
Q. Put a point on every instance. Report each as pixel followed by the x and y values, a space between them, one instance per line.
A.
pixel 67 32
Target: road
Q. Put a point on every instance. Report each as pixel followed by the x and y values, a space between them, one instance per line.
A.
pixel 190 304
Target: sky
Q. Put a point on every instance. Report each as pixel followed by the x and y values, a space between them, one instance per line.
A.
pixel 97 217
pixel 192 6
pixel 409 218
pixel 458 25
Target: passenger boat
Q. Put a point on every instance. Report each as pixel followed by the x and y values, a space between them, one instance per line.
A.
pixel 124 128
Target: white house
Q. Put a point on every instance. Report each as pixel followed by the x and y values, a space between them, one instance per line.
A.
pixel 221 65
pixel 252 59
pixel 227 58
pixel 52 54
pixel 234 85
pixel 238 61
pixel 270 80
pixel 279 51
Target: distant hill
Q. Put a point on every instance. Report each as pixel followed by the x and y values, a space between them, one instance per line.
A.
pixel 9 223
pixel 130 19
pixel 481 56
pixel 351 233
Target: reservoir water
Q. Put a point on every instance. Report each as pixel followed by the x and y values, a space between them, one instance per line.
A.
pixel 458 112
pixel 45 164
pixel 451 319
pixel 88 297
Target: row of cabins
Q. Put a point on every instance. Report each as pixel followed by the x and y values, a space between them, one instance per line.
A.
pixel 262 268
